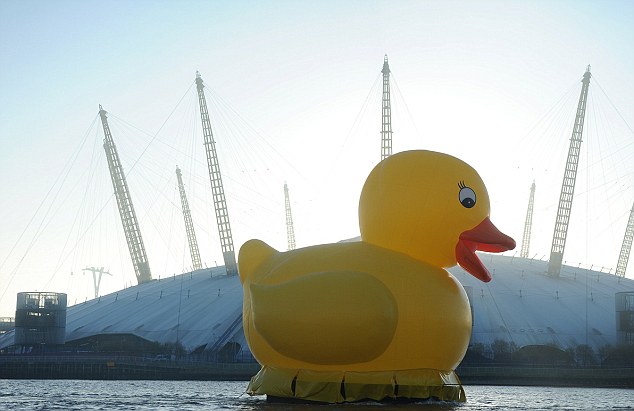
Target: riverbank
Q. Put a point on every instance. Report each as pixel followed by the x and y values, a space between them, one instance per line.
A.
pixel 121 368
pixel 138 368
pixel 548 376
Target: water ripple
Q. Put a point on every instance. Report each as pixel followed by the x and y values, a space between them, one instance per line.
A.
pixel 229 395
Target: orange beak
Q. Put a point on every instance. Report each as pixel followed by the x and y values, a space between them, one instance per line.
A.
pixel 484 237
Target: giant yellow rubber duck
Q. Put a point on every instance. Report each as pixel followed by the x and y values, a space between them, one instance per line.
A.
pixel 379 318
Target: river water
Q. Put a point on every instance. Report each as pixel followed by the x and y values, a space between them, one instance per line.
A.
pixel 230 395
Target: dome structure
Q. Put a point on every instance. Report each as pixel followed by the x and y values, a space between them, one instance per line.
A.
pixel 202 310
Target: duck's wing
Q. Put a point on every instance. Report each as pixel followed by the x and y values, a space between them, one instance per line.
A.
pixel 252 254
pixel 326 318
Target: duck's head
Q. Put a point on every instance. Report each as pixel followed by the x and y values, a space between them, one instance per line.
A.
pixel 432 207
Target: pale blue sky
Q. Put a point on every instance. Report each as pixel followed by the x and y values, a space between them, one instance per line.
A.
pixel 477 78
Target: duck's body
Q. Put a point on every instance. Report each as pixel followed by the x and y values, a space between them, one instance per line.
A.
pixel 356 306
pixel 380 317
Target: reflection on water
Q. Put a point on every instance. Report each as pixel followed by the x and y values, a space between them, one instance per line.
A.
pixel 229 395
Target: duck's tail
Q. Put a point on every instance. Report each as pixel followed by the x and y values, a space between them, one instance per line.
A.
pixel 252 254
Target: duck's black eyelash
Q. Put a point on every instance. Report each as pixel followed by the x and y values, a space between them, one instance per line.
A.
pixel 461 184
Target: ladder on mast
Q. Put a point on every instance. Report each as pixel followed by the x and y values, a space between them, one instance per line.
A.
pixel 626 247
pixel 217 189
pixel 189 225
pixel 386 113
pixel 568 184
pixel 124 202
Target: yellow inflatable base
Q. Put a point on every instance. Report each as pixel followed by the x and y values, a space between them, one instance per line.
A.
pixel 344 386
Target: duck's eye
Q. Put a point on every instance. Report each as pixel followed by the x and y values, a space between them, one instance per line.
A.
pixel 467 197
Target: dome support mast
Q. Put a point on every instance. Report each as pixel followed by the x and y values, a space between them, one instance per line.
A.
pixel 290 230
pixel 124 202
pixel 386 127
pixel 568 185
pixel 217 189
pixel 528 224
pixel 189 225
pixel 626 247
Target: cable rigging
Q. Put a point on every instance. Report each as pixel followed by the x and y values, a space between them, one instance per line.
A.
pixel 64 172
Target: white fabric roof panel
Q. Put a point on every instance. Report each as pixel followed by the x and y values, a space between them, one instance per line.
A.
pixel 197 307
pixel 525 306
